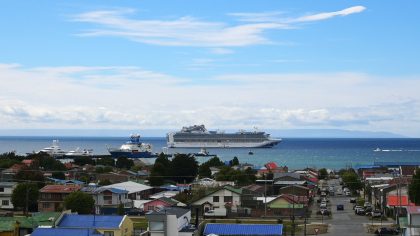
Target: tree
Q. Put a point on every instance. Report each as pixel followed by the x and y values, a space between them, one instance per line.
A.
pixel 81 161
pixel 124 163
pixel 25 195
pixel 234 162
pixel 414 188
pixel 47 162
pixel 120 209
pixel 352 181
pixel 204 169
pixel 106 161
pixel 29 174
pixel 79 202
pixel 104 182
pixel 160 170
pixel 323 174
pixel 58 175
pixel 184 168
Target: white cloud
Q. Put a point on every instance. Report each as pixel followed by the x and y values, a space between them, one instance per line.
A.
pixel 221 51
pixel 327 15
pixel 190 31
pixel 131 97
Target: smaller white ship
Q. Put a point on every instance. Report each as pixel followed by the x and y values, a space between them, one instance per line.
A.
pixel 79 152
pixel 377 150
pixel 203 153
pixel 54 150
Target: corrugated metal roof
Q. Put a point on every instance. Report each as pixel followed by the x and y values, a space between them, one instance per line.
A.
pixel 244 229
pixel 90 221
pixel 64 232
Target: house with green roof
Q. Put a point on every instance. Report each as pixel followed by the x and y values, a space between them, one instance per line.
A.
pixel 22 225
pixel 227 197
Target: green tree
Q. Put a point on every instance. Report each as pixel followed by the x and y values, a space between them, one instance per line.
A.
pixel 157 174
pixel 120 209
pixel 29 174
pixel 47 162
pixel 81 161
pixel 79 202
pixel 184 168
pixel 323 174
pixel 414 188
pixel 104 182
pixel 106 161
pixel 124 163
pixel 25 194
pixel 234 161
pixel 204 169
pixel 58 175
pixel 352 181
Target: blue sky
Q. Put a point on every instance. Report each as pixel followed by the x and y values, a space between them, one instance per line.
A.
pixel 228 64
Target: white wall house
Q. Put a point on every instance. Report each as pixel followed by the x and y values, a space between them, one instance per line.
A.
pixel 170 221
pixel 227 195
pixel 6 190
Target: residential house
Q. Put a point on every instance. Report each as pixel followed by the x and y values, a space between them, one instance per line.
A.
pixel 9 173
pixel 112 177
pixel 287 179
pixel 226 197
pixel 107 200
pixel 210 183
pixel 51 197
pixel 6 190
pixel 297 190
pixel 287 205
pixel 171 221
pixel 22 225
pixel 135 190
pixel 95 225
pixel 160 203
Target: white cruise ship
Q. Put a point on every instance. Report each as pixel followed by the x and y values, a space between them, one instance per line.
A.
pixel 198 136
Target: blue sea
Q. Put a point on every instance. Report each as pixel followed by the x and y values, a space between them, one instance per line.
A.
pixel 295 153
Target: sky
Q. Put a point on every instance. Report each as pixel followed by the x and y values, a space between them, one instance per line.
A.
pixel 151 64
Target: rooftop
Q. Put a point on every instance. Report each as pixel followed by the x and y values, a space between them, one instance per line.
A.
pixel 90 221
pixel 178 211
pixel 244 229
pixel 59 188
pixel 130 186
pixel 64 232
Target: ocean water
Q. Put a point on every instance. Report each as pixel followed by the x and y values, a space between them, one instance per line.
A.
pixel 295 153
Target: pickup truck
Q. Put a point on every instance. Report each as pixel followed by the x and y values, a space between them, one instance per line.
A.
pixel 217 212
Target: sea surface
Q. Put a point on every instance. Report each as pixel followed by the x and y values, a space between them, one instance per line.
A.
pixel 295 153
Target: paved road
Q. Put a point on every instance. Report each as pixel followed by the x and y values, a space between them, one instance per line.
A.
pixel 345 222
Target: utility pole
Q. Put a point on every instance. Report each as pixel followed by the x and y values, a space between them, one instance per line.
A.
pixel 265 195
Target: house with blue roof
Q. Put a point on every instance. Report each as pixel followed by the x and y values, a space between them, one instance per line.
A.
pixel 243 229
pixel 92 225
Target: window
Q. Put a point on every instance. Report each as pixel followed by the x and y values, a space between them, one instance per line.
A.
pixel 108 233
pixel 45 205
pixel 156 225
pixel 107 198
pixel 215 198
pixel 228 199
pixel 1 189
pixel 5 202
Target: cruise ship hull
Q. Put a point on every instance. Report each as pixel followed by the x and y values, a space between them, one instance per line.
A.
pixel 119 153
pixel 265 144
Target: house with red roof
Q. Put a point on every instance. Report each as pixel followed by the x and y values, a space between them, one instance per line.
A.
pixel 52 196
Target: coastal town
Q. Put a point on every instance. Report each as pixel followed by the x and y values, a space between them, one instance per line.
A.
pixel 102 196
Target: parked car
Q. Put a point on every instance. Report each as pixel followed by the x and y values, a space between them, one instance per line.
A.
pixel 348 194
pixel 360 211
pixel 340 207
pixel 323 205
pixel 386 231
pixel 355 207
pixel 216 212
pixel 375 214
pixel 353 200
pixel 367 204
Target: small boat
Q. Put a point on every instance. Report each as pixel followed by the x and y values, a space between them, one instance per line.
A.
pixel 54 150
pixel 250 153
pixel 133 149
pixel 377 150
pixel 203 153
pixel 78 152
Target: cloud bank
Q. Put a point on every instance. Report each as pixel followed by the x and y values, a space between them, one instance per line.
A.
pixel 190 31
pixel 132 97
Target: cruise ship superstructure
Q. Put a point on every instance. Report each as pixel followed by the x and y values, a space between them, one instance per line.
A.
pixel 198 136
